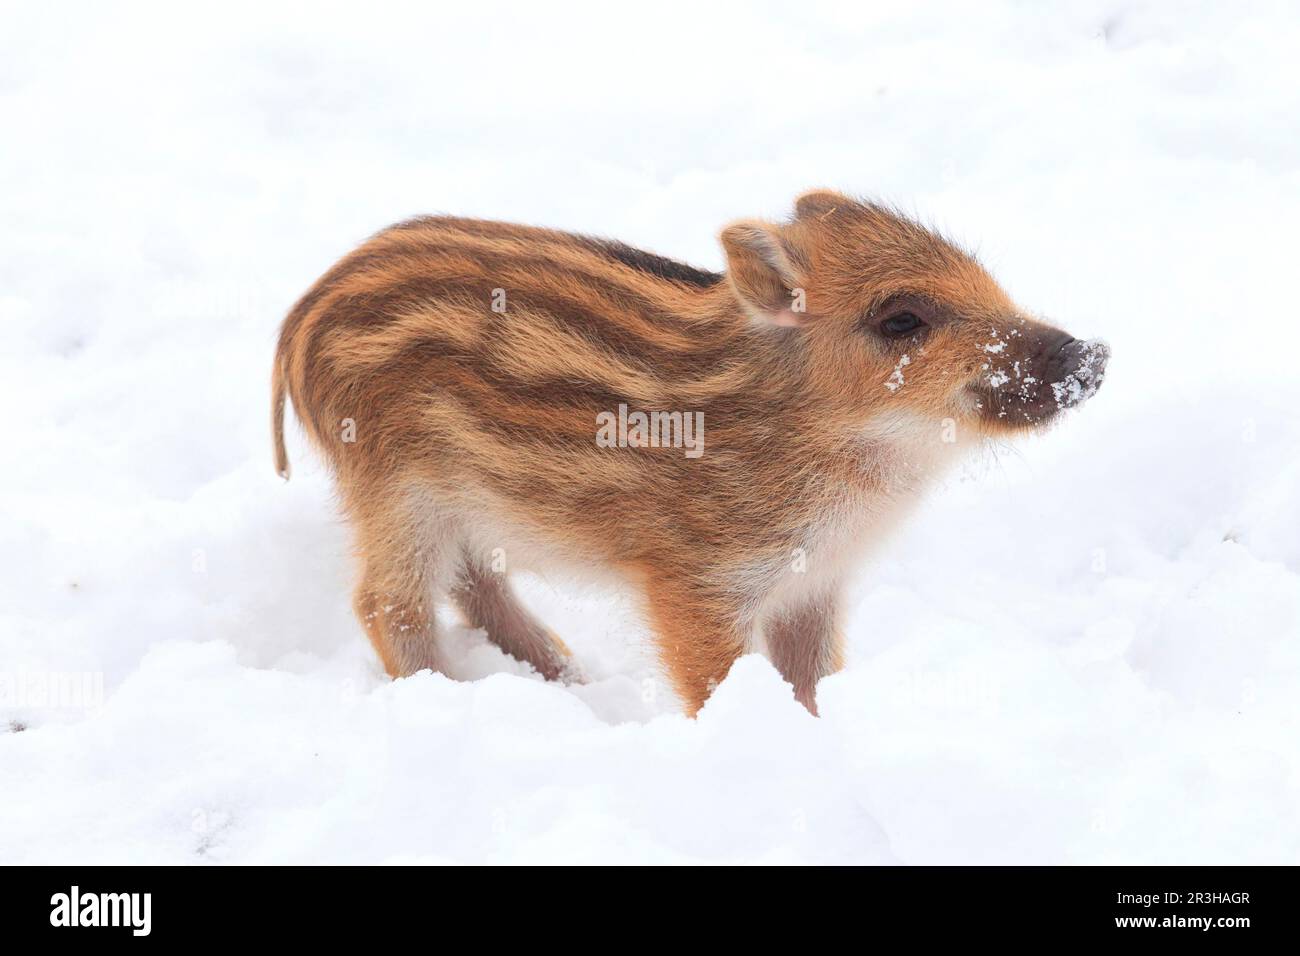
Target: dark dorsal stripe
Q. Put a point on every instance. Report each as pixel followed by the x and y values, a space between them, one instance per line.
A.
pixel 650 263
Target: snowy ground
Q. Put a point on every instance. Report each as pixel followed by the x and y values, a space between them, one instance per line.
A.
pixel 1085 650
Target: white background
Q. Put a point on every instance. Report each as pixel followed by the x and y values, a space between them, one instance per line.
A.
pixel 1085 649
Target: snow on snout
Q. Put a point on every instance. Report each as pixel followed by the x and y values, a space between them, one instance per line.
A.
pixel 1082 383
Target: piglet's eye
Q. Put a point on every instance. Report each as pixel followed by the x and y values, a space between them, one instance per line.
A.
pixel 900 324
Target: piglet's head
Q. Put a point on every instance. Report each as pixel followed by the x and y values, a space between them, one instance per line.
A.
pixel 889 318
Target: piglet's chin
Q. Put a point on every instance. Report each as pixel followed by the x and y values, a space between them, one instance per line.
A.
pixel 1087 363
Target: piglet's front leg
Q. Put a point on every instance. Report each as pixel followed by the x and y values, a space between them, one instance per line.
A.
pixel 698 634
pixel 805 644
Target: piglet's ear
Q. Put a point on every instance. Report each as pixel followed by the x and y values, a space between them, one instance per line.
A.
pixel 819 203
pixel 762 270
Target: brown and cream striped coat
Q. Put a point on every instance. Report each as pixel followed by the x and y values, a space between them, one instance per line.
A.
pixel 454 373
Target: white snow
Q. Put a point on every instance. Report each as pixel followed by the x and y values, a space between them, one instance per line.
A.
pixel 896 380
pixel 1083 383
pixel 1086 647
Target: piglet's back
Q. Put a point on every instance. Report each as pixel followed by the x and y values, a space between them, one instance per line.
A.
pixel 485 332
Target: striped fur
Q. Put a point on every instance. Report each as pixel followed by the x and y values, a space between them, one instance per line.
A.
pixel 463 438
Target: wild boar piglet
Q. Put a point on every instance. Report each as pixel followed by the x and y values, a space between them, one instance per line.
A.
pixel 493 397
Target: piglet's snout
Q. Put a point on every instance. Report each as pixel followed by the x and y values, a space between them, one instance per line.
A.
pixel 1077 369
